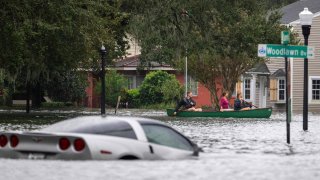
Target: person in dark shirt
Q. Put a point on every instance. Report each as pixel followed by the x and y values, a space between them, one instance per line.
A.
pixel 240 104
pixel 187 103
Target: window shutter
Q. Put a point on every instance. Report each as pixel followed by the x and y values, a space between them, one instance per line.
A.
pixel 239 87
pixel 273 89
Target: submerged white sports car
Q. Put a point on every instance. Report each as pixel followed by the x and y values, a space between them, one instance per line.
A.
pixel 99 138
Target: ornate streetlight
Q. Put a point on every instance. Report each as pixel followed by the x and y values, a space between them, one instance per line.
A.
pixel 103 80
pixel 305 21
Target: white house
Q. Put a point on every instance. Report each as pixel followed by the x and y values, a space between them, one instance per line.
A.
pixel 264 85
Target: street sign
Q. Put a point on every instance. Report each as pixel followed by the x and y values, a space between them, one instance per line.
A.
pixel 285 37
pixel 310 52
pixel 276 50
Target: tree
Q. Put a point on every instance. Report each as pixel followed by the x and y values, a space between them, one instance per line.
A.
pixel 41 38
pixel 67 87
pixel 220 37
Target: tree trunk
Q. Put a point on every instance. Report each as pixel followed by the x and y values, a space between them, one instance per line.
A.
pixel 36 96
pixel 28 98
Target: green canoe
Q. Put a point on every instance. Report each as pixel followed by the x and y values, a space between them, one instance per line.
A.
pixel 253 113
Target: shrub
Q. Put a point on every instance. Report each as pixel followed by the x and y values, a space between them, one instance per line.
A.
pixel 155 88
pixel 116 85
pixel 172 91
pixel 133 98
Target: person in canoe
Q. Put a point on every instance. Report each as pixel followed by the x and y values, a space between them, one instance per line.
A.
pixel 187 103
pixel 240 104
pixel 224 103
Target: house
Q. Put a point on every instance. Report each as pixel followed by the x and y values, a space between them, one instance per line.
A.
pixel 254 85
pixel 129 67
pixel 264 85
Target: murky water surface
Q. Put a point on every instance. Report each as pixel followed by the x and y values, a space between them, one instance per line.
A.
pixel 233 149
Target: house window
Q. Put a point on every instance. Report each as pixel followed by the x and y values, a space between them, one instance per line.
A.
pixel 139 80
pixel 314 89
pixel 281 89
pixel 247 88
pixel 134 81
pixel 193 86
pixel 130 82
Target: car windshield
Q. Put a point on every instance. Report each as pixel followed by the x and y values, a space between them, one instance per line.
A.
pixel 163 135
pixel 101 127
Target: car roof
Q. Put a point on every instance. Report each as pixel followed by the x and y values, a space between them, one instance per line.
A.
pixel 84 121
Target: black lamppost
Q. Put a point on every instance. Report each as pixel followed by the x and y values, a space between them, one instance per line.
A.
pixel 103 80
pixel 185 13
pixel 305 21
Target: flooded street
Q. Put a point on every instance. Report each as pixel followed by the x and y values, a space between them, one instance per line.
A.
pixel 233 149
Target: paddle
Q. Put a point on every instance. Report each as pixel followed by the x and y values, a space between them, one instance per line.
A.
pixel 250 104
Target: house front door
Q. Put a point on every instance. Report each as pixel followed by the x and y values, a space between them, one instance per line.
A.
pixel 263 92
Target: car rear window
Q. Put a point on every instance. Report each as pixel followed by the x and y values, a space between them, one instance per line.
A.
pixel 111 128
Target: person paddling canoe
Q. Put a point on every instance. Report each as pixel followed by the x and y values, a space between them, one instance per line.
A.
pixel 187 103
pixel 240 104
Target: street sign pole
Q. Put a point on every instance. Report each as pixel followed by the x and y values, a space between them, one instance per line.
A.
pixel 287 101
pixel 285 39
pixel 285 51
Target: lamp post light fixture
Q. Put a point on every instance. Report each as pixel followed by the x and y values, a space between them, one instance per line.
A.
pixel 103 80
pixel 305 21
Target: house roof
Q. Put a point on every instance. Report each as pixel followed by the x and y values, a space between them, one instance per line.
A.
pixel 291 11
pixel 260 68
pixel 133 62
pixel 279 73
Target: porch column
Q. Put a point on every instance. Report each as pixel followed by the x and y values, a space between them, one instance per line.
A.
pixel 253 88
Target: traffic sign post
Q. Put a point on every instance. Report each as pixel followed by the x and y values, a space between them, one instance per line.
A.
pixel 287 101
pixel 285 51
pixel 276 50
pixel 285 37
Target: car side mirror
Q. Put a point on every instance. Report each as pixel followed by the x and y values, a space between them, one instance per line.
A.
pixel 196 149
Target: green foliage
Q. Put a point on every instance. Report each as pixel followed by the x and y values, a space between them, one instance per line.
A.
pixel 172 90
pixel 42 39
pixel 67 86
pixel 116 85
pixel 155 88
pixel 220 37
pixel 133 98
